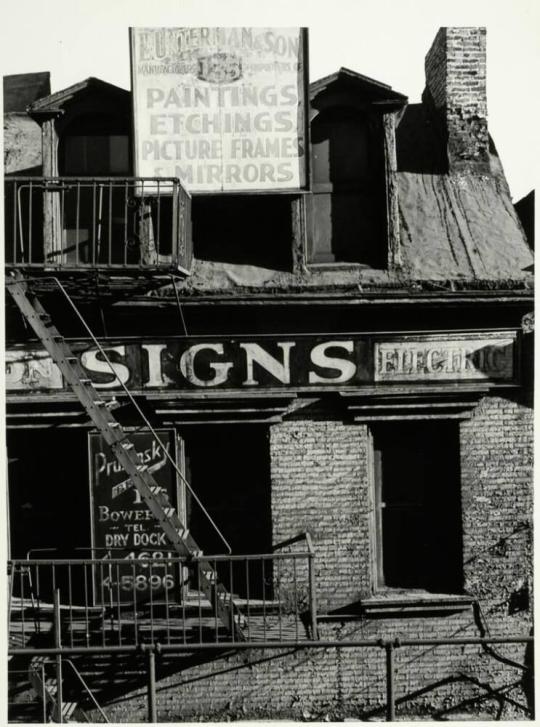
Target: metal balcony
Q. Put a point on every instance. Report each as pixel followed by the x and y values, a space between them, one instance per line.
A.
pixel 115 224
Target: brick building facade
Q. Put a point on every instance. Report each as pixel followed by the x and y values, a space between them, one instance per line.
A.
pixel 352 362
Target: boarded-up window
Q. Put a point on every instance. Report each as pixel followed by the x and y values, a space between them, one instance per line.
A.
pixel 348 198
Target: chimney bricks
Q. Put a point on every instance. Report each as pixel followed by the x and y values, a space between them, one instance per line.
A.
pixel 456 86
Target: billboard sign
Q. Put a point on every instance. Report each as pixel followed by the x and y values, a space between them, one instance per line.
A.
pixel 223 109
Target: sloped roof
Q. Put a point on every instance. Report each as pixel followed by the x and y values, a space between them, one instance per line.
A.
pixel 56 101
pixel 461 227
pixel 367 87
pixel 453 225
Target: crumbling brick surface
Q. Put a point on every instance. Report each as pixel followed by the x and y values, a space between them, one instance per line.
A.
pixel 456 82
pixel 320 483
pixel 496 474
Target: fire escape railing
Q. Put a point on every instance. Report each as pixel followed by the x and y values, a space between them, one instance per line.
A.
pixel 117 602
pixel 104 223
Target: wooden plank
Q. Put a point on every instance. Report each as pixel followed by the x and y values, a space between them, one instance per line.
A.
pixel 404 417
pixel 416 405
pixel 392 208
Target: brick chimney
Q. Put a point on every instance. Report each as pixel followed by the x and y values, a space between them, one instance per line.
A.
pixel 456 87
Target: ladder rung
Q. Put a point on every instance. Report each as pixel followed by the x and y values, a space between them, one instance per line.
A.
pixel 112 404
pixel 127 445
pixel 142 467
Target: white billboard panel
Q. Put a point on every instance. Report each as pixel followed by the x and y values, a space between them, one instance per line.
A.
pixel 223 109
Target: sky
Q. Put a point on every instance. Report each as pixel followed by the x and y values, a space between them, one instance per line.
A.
pixel 386 40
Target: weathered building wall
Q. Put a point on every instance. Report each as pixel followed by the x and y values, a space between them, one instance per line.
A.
pixel 22 145
pixel 320 483
pixel 330 683
pixel 22 135
pixel 496 464
pixel 455 224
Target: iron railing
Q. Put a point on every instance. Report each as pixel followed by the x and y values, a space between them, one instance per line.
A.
pixel 72 223
pixel 110 602
pixel 291 545
pixel 391 699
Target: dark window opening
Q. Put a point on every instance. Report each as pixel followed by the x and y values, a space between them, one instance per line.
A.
pixel 95 145
pixel 349 198
pixel 118 222
pixel 418 506
pixel 243 230
pixel 229 469
pixel 48 493
pixel 100 222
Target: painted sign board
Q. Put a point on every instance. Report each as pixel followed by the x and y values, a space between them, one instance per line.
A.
pixel 298 362
pixel 27 370
pixel 440 359
pixel 123 526
pixel 223 109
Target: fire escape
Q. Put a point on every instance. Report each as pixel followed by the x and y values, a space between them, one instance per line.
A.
pixel 130 234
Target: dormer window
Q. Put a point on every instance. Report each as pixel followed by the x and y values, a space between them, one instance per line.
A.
pixel 348 209
pixel 95 145
pixel 352 140
pixel 96 214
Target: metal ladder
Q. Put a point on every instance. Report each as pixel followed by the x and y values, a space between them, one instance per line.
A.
pixel 99 411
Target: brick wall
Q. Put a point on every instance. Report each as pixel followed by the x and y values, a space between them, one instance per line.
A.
pixel 456 81
pixel 496 475
pixel 320 483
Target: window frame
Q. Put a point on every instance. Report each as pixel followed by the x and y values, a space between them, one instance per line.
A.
pixel 390 224
pixel 375 525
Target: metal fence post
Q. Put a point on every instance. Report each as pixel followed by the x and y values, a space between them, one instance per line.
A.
pixel 43 693
pixel 390 697
pixel 58 645
pixel 313 597
pixel 152 710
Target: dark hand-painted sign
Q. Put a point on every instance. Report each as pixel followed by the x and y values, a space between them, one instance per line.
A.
pixel 288 362
pixel 122 525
